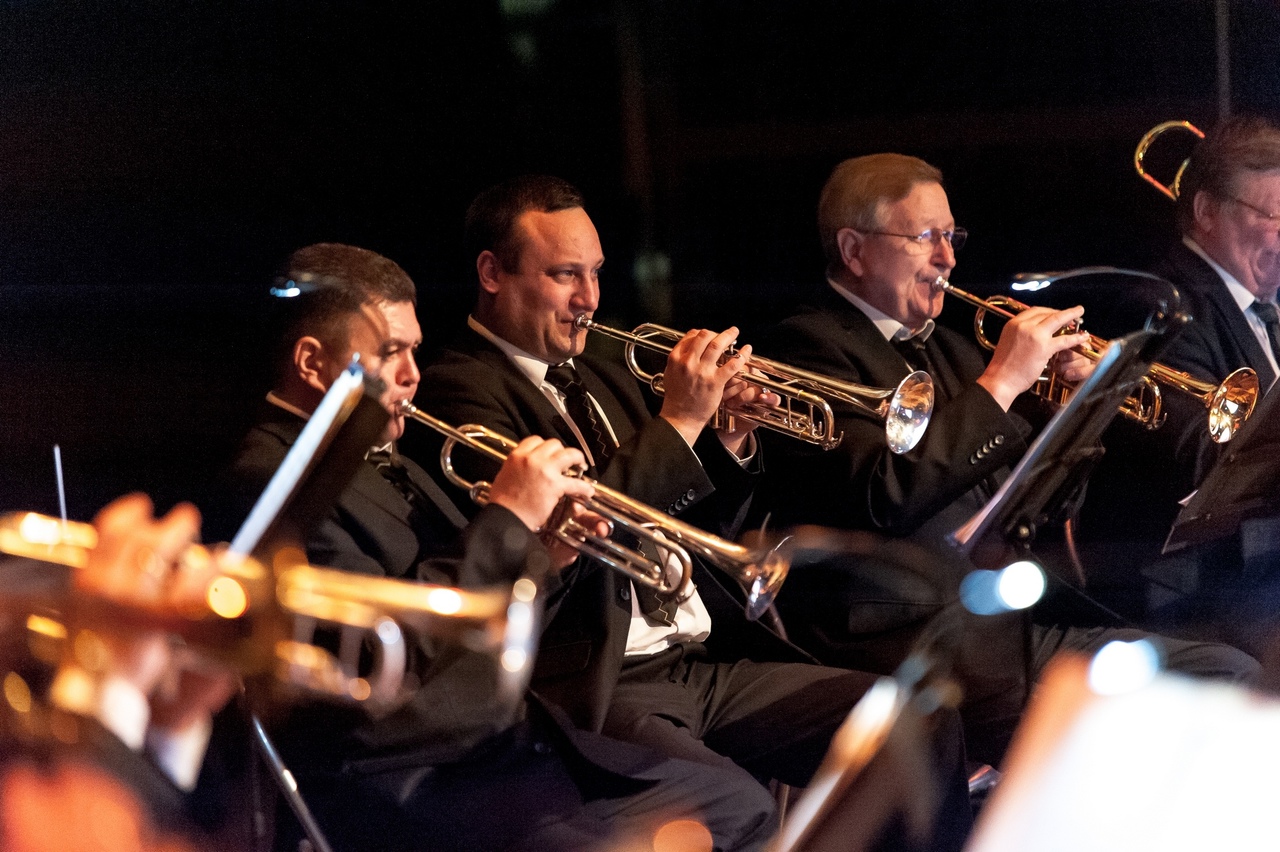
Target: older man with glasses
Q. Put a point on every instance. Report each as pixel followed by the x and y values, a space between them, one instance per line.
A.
pixel 888 235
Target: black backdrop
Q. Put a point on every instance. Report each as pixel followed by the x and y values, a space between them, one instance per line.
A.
pixel 159 159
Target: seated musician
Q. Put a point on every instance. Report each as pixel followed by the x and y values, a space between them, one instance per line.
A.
pixel 1226 267
pixel 452 769
pixel 888 234
pixel 116 753
pixel 692 679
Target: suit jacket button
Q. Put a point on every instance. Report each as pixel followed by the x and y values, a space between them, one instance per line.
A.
pixel 973 459
pixel 542 748
pixel 625 592
pixel 999 439
pixel 690 494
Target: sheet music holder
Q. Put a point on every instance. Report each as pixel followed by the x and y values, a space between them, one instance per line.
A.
pixel 1240 487
pixel 319 465
pixel 1058 461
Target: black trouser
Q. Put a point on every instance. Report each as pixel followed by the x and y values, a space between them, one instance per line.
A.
pixel 774 720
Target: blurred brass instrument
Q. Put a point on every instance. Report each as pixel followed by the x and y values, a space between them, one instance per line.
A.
pixel 761 572
pixel 1229 403
pixel 1173 187
pixel 805 411
pixel 260 620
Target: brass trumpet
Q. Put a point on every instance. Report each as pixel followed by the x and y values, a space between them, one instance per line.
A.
pixel 805 411
pixel 761 572
pixel 260 620
pixel 1229 403
pixel 1174 187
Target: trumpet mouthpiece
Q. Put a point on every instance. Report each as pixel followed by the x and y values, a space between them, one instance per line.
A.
pixel 582 321
pixel 940 284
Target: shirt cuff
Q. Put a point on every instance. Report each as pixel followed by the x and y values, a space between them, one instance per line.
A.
pixel 180 754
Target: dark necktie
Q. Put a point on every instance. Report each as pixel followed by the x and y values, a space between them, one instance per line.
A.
pixel 565 379
pixel 1270 317
pixel 915 350
pixel 387 463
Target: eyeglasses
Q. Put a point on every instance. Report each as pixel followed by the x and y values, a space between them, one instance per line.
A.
pixel 1273 218
pixel 931 236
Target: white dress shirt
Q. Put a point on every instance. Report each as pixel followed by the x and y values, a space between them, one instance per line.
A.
pixel 645 636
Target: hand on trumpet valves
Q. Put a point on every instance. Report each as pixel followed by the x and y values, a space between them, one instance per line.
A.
pixel 1027 343
pixel 741 395
pixel 144 562
pixel 695 380
pixel 533 481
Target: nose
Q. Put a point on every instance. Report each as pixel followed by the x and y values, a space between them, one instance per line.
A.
pixel 944 256
pixel 586 296
pixel 407 374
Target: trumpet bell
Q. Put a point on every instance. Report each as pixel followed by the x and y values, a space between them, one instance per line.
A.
pixel 909 409
pixel 763 579
pixel 1231 404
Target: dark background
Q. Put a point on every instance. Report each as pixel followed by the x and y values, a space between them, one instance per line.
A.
pixel 159 159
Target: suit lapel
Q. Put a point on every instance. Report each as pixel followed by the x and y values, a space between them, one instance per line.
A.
pixel 545 420
pixel 885 365
pixel 1215 292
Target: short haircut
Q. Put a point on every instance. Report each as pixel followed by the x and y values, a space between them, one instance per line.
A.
pixel 324 284
pixel 1245 143
pixel 858 190
pixel 491 218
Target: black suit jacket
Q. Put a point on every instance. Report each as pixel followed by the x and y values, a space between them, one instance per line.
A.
pixel 400 780
pixel 1218 340
pixel 585 638
pixel 861 484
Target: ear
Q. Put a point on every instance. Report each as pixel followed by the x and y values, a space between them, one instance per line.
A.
pixel 488 269
pixel 850 243
pixel 1204 208
pixel 311 363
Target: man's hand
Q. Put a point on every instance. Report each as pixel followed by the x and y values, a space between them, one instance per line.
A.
pixel 1027 343
pixel 695 381
pixel 532 481
pixel 740 395
pixel 155 566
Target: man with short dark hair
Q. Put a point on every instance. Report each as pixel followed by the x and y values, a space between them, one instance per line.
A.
pixel 453 767
pixel 888 233
pixel 690 678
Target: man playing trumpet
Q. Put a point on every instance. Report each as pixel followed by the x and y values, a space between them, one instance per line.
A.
pixel 454 768
pixel 889 236
pixel 692 679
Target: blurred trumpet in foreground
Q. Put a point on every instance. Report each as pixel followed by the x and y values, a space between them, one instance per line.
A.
pixel 258 619
pixel 1229 402
pixel 805 408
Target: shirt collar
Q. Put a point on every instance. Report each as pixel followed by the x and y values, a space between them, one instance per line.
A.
pixel 885 324
pixel 531 365
pixel 1238 291
pixel 287 406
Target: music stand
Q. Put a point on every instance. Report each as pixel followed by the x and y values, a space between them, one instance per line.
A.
pixel 1240 487
pixel 319 465
pixel 1060 459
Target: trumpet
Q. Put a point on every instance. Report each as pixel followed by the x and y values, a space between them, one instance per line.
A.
pixel 259 620
pixel 1172 189
pixel 805 410
pixel 761 572
pixel 1229 403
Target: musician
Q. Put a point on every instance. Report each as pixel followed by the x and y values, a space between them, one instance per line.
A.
pixel 116 752
pixel 888 233
pixel 692 679
pixel 1226 267
pixel 452 768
